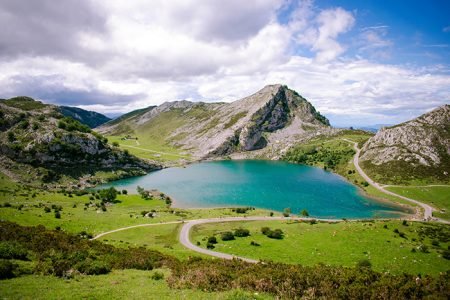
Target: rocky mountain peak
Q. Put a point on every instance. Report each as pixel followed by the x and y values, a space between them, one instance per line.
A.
pixel 273 116
pixel 421 145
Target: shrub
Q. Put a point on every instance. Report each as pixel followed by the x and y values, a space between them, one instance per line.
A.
pixel 446 254
pixel 253 243
pixel 286 212
pixel 241 232
pixel 271 214
pixel 404 223
pixel 157 275
pixel 115 144
pixel 125 192
pixel 7 269
pixel 227 236
pixel 265 230
pixel 210 246
pixel 212 240
pixel 57 215
pixel 305 213
pixel 11 136
pixel 94 267
pixel 47 209
pixel 12 250
pixel 108 195
pixel 275 234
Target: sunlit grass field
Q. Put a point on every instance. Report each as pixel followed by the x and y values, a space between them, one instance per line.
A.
pixel 344 243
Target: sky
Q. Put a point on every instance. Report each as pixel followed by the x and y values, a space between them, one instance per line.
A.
pixel 358 62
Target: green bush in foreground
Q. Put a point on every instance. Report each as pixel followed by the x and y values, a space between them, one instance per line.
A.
pixel 315 282
pixel 58 253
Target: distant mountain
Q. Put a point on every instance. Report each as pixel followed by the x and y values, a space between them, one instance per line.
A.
pixel 415 150
pixel 38 144
pixel 265 122
pixel 89 118
pixel 373 128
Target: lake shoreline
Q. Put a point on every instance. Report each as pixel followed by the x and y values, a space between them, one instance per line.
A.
pixel 260 184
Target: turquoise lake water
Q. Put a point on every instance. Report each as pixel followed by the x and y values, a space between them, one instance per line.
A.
pixel 272 185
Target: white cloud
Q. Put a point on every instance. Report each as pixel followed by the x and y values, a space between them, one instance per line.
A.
pixel 320 32
pixel 149 52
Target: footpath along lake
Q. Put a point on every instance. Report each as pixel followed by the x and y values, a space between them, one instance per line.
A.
pixel 272 185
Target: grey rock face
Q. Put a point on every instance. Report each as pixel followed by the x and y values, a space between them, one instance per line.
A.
pixel 272 117
pixel 422 141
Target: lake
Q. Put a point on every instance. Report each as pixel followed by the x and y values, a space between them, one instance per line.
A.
pixel 272 185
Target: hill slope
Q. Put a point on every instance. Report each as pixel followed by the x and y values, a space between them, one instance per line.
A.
pixel 269 119
pixel 89 118
pixel 38 144
pixel 412 151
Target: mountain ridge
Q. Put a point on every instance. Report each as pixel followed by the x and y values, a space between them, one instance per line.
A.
pixel 418 146
pixel 40 145
pixel 273 115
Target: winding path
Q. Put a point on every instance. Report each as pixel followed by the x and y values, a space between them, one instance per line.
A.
pixel 428 210
pixel 134 226
pixel 185 230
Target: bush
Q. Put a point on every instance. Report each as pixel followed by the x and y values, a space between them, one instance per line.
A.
pixel 446 254
pixel 7 269
pixel 227 236
pixel 94 267
pixel 241 232
pixel 212 240
pixel 253 243
pixel 57 215
pixel 12 250
pixel 276 234
pixel 210 246
pixel 47 209
pixel 286 212
pixel 265 230
pixel 304 213
pixel 157 275
pixel 125 192
pixel 108 195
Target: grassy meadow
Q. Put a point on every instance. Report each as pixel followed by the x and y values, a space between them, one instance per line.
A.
pixel 119 284
pixel 344 243
pixel 436 196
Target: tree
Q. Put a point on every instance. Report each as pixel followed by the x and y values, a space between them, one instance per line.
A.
pixel 286 212
pixel 304 213
pixel 144 194
pixel 108 195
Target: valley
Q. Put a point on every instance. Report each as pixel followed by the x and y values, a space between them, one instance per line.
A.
pixel 51 165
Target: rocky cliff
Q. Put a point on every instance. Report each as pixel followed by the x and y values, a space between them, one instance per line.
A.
pixel 416 149
pixel 38 143
pixel 272 118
